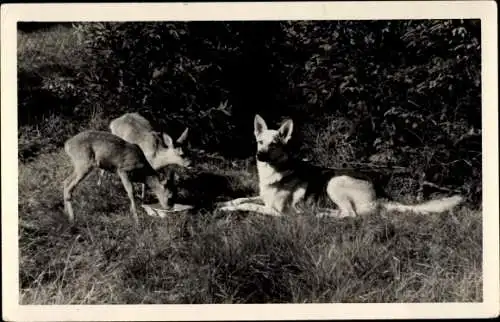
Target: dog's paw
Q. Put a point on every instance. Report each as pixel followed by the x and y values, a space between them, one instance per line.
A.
pixel 226 208
pixel 322 215
pixel 222 204
pixel 329 214
pixel 230 203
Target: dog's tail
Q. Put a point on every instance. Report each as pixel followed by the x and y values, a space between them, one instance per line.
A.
pixel 432 206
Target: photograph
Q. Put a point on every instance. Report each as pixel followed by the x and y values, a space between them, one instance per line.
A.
pixel 265 159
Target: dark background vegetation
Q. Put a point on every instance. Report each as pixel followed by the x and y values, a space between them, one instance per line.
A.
pixel 361 93
pixel 407 90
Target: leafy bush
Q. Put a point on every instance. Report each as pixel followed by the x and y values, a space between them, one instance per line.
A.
pixel 179 74
pixel 409 87
pixel 406 89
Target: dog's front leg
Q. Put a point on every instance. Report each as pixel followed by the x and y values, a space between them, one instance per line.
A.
pixel 260 209
pixel 332 213
pixel 239 201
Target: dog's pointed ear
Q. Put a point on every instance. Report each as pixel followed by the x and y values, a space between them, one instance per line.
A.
pixel 168 141
pixel 259 125
pixel 285 130
pixel 183 136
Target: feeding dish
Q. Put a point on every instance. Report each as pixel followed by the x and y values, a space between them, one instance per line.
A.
pixel 156 210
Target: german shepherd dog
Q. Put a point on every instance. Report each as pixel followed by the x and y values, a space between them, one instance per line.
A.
pixel 286 184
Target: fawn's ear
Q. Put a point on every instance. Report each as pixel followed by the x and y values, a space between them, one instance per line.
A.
pixel 259 125
pixel 168 140
pixel 183 136
pixel 285 131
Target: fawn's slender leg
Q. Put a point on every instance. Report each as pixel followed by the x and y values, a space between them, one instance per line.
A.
pixel 172 189
pixel 80 172
pixel 102 172
pixel 127 184
pixel 67 198
pixel 143 190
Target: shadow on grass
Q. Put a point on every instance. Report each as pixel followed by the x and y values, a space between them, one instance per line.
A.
pixel 204 189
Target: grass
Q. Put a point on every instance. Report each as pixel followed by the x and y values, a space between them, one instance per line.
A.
pixel 57 47
pixel 47 61
pixel 212 257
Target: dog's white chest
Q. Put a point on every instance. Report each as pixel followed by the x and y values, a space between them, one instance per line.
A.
pixel 267 174
pixel 268 185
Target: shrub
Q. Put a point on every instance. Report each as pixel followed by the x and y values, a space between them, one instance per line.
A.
pixel 408 89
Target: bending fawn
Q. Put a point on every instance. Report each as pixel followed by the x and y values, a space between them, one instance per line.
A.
pixel 95 149
pixel 134 128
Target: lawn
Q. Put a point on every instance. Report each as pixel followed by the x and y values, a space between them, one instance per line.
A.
pixel 212 257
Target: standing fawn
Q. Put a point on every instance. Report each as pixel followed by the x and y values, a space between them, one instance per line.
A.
pixel 95 149
pixel 134 128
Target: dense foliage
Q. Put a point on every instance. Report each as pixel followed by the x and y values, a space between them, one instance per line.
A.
pixel 410 90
